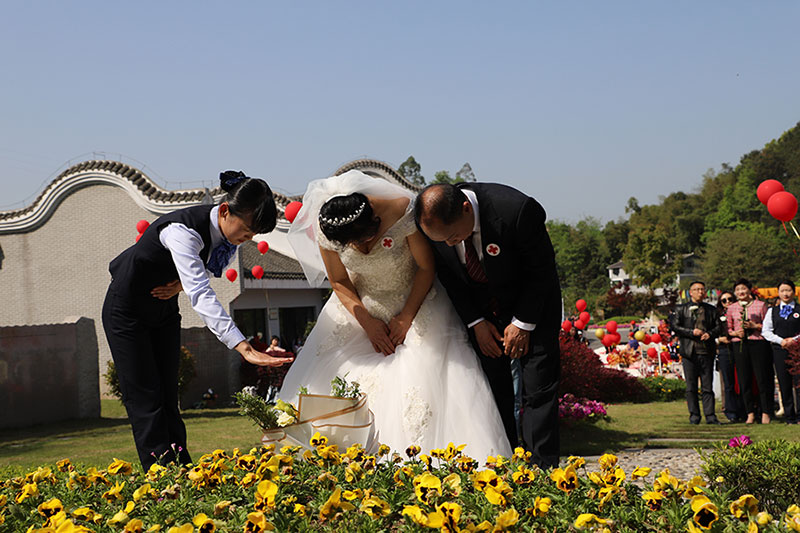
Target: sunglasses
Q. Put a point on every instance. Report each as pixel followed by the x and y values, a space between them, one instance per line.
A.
pixel 726 300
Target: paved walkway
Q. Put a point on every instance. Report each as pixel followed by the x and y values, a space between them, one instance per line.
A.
pixel 682 463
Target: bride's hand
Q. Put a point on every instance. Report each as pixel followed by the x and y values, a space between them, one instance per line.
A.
pixel 398 328
pixel 378 333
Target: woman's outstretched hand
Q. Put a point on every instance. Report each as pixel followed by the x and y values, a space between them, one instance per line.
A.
pixel 165 292
pixel 252 355
pixel 378 333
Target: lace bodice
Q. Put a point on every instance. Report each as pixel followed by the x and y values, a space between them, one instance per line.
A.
pixel 382 277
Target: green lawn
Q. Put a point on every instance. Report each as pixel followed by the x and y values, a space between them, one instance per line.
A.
pixel 96 442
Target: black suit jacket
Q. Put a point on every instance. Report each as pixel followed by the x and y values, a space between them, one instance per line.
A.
pixel 682 323
pixel 522 276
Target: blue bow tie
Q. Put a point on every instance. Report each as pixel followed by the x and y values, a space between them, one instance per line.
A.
pixel 220 257
pixel 786 310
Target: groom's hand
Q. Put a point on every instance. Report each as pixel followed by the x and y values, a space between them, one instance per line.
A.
pixel 488 337
pixel 515 341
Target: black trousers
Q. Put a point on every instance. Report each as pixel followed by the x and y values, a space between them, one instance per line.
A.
pixel 145 346
pixel 754 358
pixel 699 366
pixel 540 376
pixel 786 382
pixel 734 407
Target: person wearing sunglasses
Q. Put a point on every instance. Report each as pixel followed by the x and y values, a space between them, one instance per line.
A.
pixel 782 329
pixel 733 407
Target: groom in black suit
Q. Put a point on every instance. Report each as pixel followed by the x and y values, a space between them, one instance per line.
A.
pixel 495 258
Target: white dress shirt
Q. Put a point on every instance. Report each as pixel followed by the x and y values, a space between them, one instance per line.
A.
pixel 478 243
pixel 185 244
pixel 768 329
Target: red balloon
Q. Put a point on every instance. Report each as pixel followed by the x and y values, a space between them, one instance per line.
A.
pixel 766 189
pixel 656 338
pixel 585 317
pixel 611 326
pixel 647 339
pixel 580 305
pixel 607 340
pixel 291 210
pixel 782 205
pixel 138 237
pixel 566 325
pixel 258 272
pixel 263 247
pixel 615 338
pixel 652 352
pixel 579 324
pixel 142 225
pixel 231 274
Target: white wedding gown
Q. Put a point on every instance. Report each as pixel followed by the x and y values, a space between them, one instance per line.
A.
pixel 432 390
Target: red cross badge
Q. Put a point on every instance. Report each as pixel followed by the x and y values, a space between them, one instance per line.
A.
pixel 493 250
pixel 388 242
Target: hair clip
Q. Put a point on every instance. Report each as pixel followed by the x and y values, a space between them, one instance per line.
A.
pixel 343 221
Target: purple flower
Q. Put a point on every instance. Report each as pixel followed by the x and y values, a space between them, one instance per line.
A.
pixel 740 441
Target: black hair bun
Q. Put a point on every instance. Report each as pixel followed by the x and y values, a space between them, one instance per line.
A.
pixel 229 179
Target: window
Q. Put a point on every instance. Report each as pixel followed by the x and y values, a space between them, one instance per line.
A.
pixel 251 321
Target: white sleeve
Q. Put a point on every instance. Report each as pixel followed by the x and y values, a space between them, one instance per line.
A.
pixel 767 330
pixel 185 244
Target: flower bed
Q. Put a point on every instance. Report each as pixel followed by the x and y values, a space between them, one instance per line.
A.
pixel 349 490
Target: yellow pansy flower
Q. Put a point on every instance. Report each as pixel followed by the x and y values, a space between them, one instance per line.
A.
pixel 596 478
pixel 576 461
pixel 588 520
pixel 482 479
pixel 565 479
pixel 451 514
pixel 67 526
pixel 63 465
pixel 483 527
pixel 265 495
pixel 413 450
pixel 402 472
pixel 705 512
pixel 607 461
pixel 50 507
pixel 95 476
pixel 523 475
pixel 247 462
pixel 134 526
pixel 640 471
pixel 498 493
pixel 745 506
pixel 375 507
pixel 154 528
pixel 763 518
pixel 29 490
pixel 141 492
pixel 425 485
pixel 453 451
pixel 521 454
pixel 614 478
pixel 56 520
pixel 466 464
pixel 114 493
pixel 654 500
pixel 299 509
pixel 3 499
pixel 452 483
pixel 83 513
pixel 221 506
pixel 333 504
pixel 792 521
pixel 119 467
pixel 156 472
pixel 204 524
pixel 666 483
pixel 318 440
pixel 351 495
pixel 506 520
pixel 330 453
pixel 695 487
pixel 353 472
pixel 257 523
pixel 541 506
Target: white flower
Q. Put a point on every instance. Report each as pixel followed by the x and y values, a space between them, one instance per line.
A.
pixel 693 308
pixel 285 419
pixel 249 390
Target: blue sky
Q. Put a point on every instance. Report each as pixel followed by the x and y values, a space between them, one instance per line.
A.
pixel 579 104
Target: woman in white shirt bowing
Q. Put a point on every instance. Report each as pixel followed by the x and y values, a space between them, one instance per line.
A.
pixel 140 312
pixel 782 329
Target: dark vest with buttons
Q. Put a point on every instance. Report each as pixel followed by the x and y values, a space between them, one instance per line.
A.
pixel 785 327
pixel 148 263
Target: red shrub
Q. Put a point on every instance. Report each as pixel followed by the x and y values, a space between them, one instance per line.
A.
pixel 583 374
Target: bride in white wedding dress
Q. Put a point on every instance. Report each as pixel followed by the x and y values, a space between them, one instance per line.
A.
pixel 388 325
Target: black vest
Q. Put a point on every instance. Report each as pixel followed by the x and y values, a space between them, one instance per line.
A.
pixel 785 327
pixel 148 264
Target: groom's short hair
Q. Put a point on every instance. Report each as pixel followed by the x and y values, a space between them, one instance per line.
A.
pixel 440 202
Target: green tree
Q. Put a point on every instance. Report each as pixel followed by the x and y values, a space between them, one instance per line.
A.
pixel 412 171
pixel 442 176
pixel 465 174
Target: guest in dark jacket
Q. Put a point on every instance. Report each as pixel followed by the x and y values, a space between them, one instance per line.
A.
pixel 782 329
pixel 697 325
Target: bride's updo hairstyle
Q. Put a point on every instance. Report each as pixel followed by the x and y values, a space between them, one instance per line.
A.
pixel 348 219
pixel 249 199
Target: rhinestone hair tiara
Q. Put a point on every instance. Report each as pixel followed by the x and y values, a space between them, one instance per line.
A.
pixel 342 221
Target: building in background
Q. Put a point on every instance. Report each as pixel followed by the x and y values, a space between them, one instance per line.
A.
pixel 54 257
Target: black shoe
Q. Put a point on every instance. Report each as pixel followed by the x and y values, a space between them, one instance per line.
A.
pixel 713 421
pixel 694 421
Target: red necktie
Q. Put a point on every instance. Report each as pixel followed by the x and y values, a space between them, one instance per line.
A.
pixel 474 268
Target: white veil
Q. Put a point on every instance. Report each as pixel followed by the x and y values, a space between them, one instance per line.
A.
pixel 303 232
